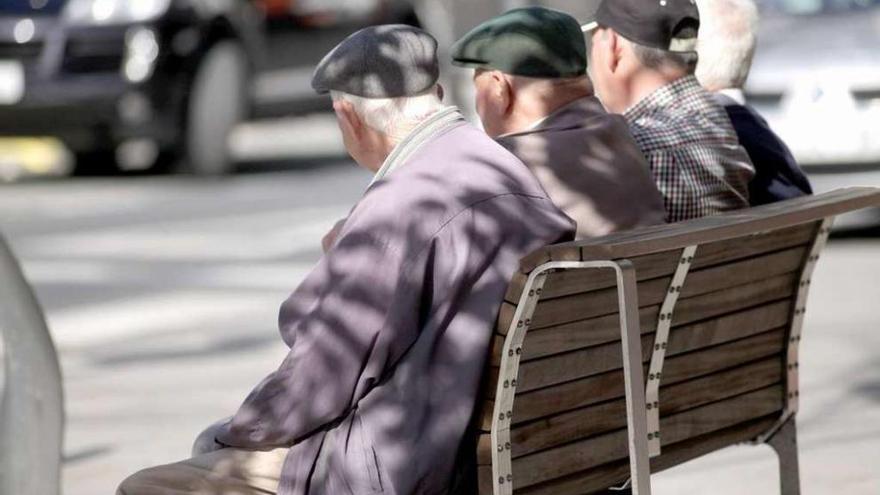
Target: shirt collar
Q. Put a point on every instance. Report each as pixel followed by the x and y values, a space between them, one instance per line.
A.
pixel 734 94
pixel 663 97
pixel 426 130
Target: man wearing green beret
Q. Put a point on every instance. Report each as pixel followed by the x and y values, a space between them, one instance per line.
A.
pixel 534 96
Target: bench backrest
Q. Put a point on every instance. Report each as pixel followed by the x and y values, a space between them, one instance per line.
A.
pixel 730 291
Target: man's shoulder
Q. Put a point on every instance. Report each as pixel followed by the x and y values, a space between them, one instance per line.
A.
pixel 451 173
pixel 690 119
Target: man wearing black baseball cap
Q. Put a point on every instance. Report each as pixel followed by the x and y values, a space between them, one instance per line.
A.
pixel 643 59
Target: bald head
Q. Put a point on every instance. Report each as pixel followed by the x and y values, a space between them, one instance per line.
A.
pixel 508 103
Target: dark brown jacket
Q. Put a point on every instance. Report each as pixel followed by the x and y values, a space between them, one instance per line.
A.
pixel 591 168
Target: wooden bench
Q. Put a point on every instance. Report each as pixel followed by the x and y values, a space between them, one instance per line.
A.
pixel 632 353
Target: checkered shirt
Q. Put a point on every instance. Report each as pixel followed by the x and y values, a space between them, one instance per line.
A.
pixel 692 149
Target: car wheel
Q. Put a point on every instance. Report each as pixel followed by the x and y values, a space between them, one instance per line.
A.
pixel 94 162
pixel 218 101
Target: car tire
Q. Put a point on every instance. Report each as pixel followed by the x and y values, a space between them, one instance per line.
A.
pixel 94 163
pixel 218 101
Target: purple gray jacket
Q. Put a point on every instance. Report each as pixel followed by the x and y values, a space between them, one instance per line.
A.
pixel 389 333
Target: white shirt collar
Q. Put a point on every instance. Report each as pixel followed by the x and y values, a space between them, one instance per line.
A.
pixel 734 94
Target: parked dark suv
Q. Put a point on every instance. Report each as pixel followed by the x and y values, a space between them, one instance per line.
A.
pixel 133 82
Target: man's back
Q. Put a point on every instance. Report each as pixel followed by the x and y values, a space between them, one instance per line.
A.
pixel 692 149
pixel 777 175
pixel 591 168
pixel 390 332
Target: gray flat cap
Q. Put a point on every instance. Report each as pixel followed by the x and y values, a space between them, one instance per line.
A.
pixel 387 61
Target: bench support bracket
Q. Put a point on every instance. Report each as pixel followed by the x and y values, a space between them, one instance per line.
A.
pixel 640 469
pixel 658 353
pixel 792 392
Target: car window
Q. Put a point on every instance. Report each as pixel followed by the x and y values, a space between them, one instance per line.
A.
pixel 31 6
pixel 815 7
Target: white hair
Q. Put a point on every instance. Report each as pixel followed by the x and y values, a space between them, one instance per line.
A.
pixel 394 117
pixel 728 35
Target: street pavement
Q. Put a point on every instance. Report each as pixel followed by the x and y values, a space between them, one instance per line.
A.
pixel 162 296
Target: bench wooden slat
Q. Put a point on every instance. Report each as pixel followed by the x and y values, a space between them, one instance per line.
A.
pixel 548 465
pixel 550 312
pixel 591 361
pixel 552 400
pixel 663 264
pixel 699 308
pixel 559 368
pixel 615 473
pixel 582 423
pixel 727 225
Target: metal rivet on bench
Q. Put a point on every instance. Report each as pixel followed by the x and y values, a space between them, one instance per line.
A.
pixel 650 436
pixel 510 353
pixel 651 376
pixel 656 404
pixel 513 383
pixel 509 414
pixel 662 316
pixel 506 384
pixel 663 345
pixel 501 480
pixel 658 375
pixel 656 347
pixel 649 406
pixel 501 417
pixel 507 445
pixel 500 448
pixel 528 321
pixel 531 293
pixel 519 350
pixel 538 291
pixel 519 324
pixel 510 477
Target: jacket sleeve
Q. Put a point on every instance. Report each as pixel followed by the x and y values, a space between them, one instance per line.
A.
pixel 353 316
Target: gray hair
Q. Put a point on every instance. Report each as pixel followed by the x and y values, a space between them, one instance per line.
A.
pixel 394 117
pixel 727 42
pixel 657 59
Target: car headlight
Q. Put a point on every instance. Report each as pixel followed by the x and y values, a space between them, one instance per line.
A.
pixel 99 12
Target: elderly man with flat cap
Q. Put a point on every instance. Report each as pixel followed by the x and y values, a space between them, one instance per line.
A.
pixel 643 62
pixel 389 334
pixel 534 96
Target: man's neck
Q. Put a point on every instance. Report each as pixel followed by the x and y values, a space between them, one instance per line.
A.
pixel 528 116
pixel 649 81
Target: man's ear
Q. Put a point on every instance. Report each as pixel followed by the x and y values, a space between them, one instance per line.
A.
pixel 502 90
pixel 615 49
pixel 349 120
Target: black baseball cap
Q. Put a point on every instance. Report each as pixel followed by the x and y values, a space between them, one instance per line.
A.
pixel 670 25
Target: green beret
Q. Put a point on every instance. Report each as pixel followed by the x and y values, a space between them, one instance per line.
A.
pixel 532 42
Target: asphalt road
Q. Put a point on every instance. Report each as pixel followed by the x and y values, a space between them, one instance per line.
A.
pixel 162 295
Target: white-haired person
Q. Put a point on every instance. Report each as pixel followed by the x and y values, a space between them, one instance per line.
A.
pixel 727 40
pixel 389 334
pixel 643 57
